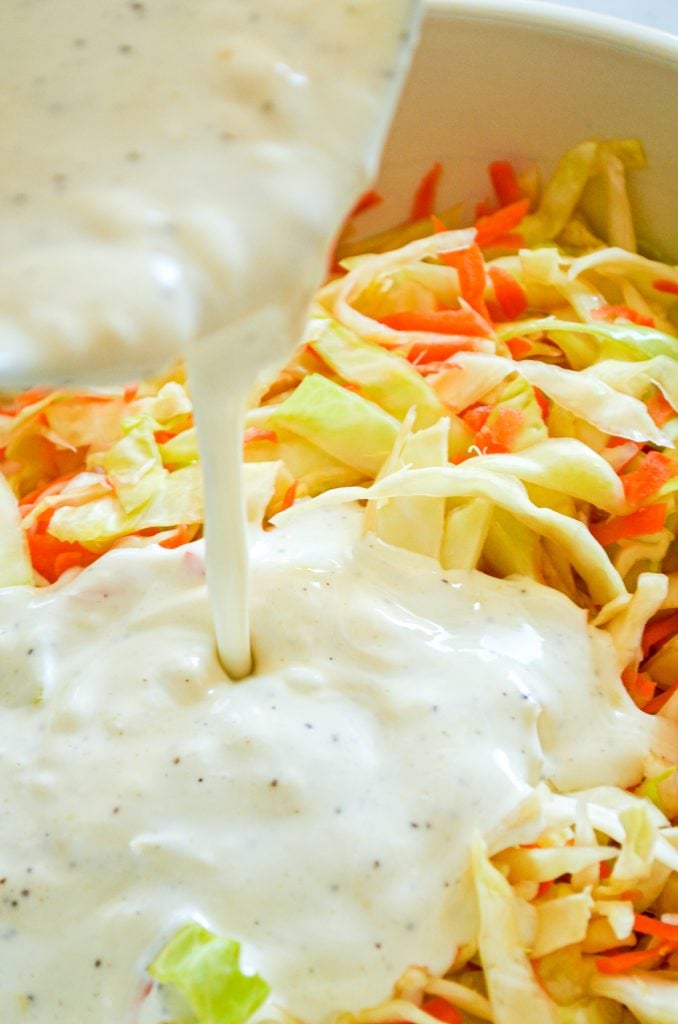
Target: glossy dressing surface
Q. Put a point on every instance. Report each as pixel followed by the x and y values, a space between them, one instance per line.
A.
pixel 320 812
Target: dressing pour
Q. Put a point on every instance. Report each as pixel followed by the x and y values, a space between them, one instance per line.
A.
pixel 172 176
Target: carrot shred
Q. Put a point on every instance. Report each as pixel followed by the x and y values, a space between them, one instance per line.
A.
pixel 182 535
pixel 254 434
pixel 638 524
pixel 366 201
pixel 604 870
pixel 666 286
pixel 504 182
pixel 130 392
pixel 442 1010
pixel 518 347
pixel 646 925
pixel 484 208
pixel 23 400
pixel 611 313
pixel 425 355
pixel 470 266
pixel 475 417
pixel 508 292
pixel 644 482
pixel 618 963
pixel 50 556
pixel 639 686
pixel 501 433
pixel 465 322
pixel 658 631
pixel 497 225
pixel 424 199
pixel 289 496
pixel 661 698
pixel 659 409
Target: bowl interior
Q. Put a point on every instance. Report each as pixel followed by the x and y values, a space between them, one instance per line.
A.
pixel 525 81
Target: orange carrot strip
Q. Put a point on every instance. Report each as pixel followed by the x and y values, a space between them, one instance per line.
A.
pixel 504 182
pixel 664 285
pixel 476 416
pixel 508 292
pixel 618 963
pixel 47 555
pixel 662 698
pixel 470 267
pixel 424 199
pixel 659 630
pixel 130 392
pixel 182 535
pixel 646 925
pixel 500 434
pixel 444 321
pixel 442 1010
pixel 252 434
pixel 423 354
pixel 366 202
pixel 289 496
pixel 645 521
pixel 518 347
pixel 611 313
pixel 496 225
pixel 659 409
pixel 642 483
pixel 639 686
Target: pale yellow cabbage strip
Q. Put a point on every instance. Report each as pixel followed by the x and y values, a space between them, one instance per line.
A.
pixel 515 994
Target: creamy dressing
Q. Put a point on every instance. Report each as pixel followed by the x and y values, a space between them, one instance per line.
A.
pixel 319 813
pixel 172 174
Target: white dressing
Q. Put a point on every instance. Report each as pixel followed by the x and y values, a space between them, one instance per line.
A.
pixel 319 813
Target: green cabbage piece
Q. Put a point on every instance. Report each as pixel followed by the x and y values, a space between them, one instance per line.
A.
pixel 651 997
pixel 514 992
pixel 561 194
pixel 383 377
pixel 15 564
pixel 584 553
pixel 204 970
pixel 614 341
pixel 465 533
pixel 133 465
pixel 352 429
pixel 634 378
pixel 511 548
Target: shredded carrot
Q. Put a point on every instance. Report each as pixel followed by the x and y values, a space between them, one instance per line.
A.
pixel 660 929
pixel 662 698
pixel 639 686
pixel 611 313
pixel 476 416
pixel 423 203
pixel 470 267
pixel 499 432
pixel 543 402
pixel 23 400
pixel 659 409
pixel 644 482
pixel 518 347
pixel 544 887
pixel 508 292
pixel 289 496
pixel 442 1010
pixel 465 322
pixel 604 869
pixel 366 202
pixel 430 356
pixel 664 285
pixel 182 535
pixel 618 963
pixel 484 208
pixel 496 226
pixel 253 434
pixel 50 556
pixel 504 182
pixel 130 392
pixel 659 630
pixel 645 521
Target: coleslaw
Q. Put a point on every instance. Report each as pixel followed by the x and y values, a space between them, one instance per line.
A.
pixel 502 397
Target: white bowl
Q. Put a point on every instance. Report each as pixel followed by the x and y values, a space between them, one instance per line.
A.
pixel 513 79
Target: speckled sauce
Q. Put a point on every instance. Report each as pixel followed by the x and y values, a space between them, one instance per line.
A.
pixel 320 812
pixel 171 178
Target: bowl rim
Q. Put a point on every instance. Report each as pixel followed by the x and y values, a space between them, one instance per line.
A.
pixel 565 20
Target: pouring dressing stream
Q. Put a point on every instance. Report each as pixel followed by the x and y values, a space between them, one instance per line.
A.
pixel 172 176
